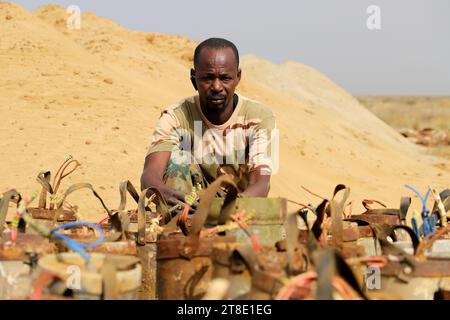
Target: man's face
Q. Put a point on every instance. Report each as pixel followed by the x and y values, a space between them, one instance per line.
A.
pixel 216 77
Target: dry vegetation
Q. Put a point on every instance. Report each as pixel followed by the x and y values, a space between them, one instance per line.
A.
pixel 415 113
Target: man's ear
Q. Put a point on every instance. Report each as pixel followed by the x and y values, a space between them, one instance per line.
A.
pixel 239 76
pixel 193 79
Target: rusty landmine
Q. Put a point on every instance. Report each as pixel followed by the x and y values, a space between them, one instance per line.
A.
pixel 49 214
pixel 389 219
pixel 26 243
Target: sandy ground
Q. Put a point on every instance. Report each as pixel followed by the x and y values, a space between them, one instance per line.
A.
pixel 96 94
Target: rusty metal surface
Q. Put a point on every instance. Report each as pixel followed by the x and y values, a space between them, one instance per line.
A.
pixel 175 248
pixel 239 282
pixel 365 232
pixel 221 253
pixel 350 234
pixel 268 211
pixel 265 285
pixel 180 279
pixel 184 274
pixel 233 268
pixel 352 249
pixel 379 218
pixel 429 268
pixel 118 247
pixel 49 214
pixel 147 255
pixel 133 215
pixel 26 243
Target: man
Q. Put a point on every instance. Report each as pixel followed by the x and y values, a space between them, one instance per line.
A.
pixel 212 133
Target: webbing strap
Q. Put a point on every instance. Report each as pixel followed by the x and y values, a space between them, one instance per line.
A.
pixel 44 179
pixel 405 203
pixel 292 243
pixel 4 203
pixel 320 214
pixel 329 262
pixel 246 254
pixel 142 212
pixel 114 217
pixel 125 186
pixel 337 212
pixel 206 199
pixel 111 265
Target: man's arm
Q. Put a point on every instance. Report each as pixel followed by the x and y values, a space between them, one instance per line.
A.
pixel 152 176
pixel 259 184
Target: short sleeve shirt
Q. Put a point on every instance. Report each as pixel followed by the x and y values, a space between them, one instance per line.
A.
pixel 245 139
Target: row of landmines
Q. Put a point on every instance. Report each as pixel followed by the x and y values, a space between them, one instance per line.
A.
pixel 231 248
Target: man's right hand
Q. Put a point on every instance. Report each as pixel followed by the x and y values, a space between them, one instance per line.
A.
pixel 152 176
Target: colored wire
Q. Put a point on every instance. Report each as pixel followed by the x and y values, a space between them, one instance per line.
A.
pixel 428 222
pixel 77 246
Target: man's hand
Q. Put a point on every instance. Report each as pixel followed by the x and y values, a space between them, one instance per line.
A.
pixel 152 176
pixel 259 184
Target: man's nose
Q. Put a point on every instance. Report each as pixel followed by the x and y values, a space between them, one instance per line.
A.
pixel 217 85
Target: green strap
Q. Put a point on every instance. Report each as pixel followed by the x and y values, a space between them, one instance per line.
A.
pixel 246 254
pixel 4 203
pixel 445 198
pixel 405 203
pixel 115 219
pixel 110 283
pixel 337 212
pixel 292 243
pixel 161 205
pixel 329 262
pixel 125 186
pixel 325 268
pixel 142 212
pixel 320 214
pixel 142 218
pixel 44 179
pixel 204 206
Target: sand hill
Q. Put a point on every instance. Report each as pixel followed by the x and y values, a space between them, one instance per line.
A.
pixel 96 94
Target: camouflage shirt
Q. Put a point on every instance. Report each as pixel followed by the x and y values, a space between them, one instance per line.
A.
pixel 246 139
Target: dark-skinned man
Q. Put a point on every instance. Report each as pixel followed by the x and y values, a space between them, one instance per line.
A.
pixel 213 133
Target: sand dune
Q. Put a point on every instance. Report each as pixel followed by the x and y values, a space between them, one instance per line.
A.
pixel 96 94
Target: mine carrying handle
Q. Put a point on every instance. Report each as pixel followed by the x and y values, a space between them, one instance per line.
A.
pixel 405 203
pixel 445 199
pixel 328 262
pixel 382 231
pixel 292 239
pixel 4 203
pixel 44 179
pixel 428 242
pixel 334 209
pixel 204 207
pixel 116 223
pixel 161 203
pixel 125 186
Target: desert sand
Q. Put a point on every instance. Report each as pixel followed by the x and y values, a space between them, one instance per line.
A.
pixel 96 94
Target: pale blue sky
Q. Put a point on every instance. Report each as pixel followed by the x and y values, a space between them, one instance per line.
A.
pixel 410 55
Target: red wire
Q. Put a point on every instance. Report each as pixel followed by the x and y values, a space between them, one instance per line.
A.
pixel 103 220
pixel 297 203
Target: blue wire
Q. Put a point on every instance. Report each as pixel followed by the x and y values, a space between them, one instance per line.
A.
pixel 428 222
pixel 77 246
pixel 424 201
pixel 415 227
